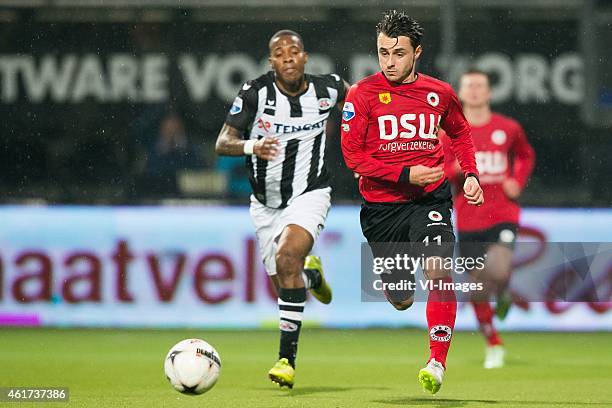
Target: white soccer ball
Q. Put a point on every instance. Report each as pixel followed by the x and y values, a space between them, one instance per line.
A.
pixel 192 366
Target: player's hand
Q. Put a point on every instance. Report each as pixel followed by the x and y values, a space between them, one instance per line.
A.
pixel 472 191
pixel 266 148
pixel 511 188
pixel 422 175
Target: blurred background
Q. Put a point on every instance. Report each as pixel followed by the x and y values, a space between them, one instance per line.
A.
pixel 120 102
pixel 115 201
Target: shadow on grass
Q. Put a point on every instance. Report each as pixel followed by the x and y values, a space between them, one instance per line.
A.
pixel 318 390
pixel 286 392
pixel 434 402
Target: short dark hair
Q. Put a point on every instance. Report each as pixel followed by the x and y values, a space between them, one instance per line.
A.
pixel 281 33
pixel 395 23
pixel 476 71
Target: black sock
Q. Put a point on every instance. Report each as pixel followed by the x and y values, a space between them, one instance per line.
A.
pixel 291 307
pixel 315 278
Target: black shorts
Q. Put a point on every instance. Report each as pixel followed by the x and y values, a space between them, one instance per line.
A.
pixel 427 219
pixel 476 243
pixel 420 228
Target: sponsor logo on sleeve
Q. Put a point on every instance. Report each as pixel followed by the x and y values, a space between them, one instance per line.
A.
pixel 348 111
pixel 346 127
pixel 236 106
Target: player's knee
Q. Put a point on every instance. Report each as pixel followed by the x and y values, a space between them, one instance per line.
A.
pixel 435 268
pixel 288 262
pixel 499 280
pixel 499 274
pixel 437 274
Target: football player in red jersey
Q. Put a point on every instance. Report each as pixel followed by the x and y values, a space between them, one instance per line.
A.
pixel 505 160
pixel 390 123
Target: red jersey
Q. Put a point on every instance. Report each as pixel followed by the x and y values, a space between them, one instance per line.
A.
pixel 387 127
pixel 502 151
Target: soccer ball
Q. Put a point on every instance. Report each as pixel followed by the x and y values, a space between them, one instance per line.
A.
pixel 192 366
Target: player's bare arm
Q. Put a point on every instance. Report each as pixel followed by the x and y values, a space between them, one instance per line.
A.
pixel 512 188
pixel 231 143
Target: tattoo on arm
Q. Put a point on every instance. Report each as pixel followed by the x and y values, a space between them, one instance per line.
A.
pixel 229 142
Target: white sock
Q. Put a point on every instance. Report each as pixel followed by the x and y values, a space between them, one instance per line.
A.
pixel 306 281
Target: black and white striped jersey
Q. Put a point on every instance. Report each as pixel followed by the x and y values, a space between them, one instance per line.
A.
pixel 262 109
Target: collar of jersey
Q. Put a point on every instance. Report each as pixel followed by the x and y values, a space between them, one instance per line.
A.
pixel 486 124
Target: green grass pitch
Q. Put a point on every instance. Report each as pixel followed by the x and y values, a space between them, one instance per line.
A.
pixel 336 368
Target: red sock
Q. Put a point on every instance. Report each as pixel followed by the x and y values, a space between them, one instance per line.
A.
pixel 441 312
pixel 484 314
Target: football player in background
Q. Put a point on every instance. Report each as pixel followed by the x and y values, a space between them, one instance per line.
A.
pixel 505 160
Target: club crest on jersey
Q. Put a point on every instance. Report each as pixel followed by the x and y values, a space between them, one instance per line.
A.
pixel 236 106
pixel 441 333
pixel 324 103
pixel 434 216
pixel 498 137
pixel 348 111
pixel 384 97
pixel 433 99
